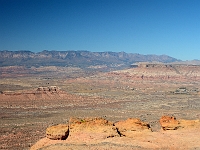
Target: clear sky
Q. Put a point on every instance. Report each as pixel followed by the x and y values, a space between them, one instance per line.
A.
pixel 170 27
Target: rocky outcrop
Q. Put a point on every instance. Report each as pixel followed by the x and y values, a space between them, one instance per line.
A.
pixel 184 90
pixel 48 89
pixel 170 123
pixel 130 126
pixel 58 132
pixel 95 127
pixel 100 127
pixel 127 134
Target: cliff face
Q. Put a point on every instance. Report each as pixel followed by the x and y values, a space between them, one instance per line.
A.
pixel 76 58
pixel 167 72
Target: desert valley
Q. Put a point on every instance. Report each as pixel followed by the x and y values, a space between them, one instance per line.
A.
pixel 72 100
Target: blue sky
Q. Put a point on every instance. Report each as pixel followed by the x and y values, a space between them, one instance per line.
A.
pixel 170 27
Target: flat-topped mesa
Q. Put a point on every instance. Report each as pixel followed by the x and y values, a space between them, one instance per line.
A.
pixel 52 89
pixel 48 89
pixel 164 65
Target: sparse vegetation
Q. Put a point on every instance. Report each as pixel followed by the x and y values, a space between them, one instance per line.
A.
pixel 116 95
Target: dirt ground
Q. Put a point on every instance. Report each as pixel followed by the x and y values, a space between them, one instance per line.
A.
pixel 25 114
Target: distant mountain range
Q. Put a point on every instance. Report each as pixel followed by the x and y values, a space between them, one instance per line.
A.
pixel 81 59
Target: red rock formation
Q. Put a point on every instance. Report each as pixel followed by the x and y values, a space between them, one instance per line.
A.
pixel 58 132
pixel 169 123
pixel 130 126
pixel 89 131
pixel 155 72
pixel 96 127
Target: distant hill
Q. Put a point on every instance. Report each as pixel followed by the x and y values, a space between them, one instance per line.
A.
pixel 81 59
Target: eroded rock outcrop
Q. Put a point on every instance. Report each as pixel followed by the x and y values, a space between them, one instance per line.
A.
pixel 170 123
pixel 95 127
pixel 48 89
pixel 91 131
pixel 130 126
pixel 58 132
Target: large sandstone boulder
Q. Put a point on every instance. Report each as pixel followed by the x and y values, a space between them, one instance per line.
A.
pixel 58 132
pixel 169 123
pixel 93 127
pixel 130 126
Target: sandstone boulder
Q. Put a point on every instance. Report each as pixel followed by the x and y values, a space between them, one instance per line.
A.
pixel 93 127
pixel 130 126
pixel 58 132
pixel 169 123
